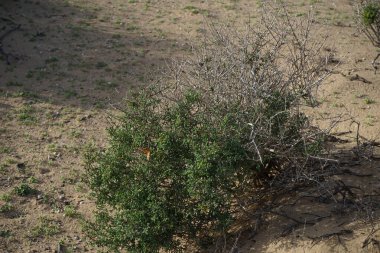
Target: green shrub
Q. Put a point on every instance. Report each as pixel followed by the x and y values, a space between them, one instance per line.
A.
pixel 174 174
pixel 183 152
pixel 368 20
pixel 370 13
pixel 7 207
pixel 24 190
pixel 71 212
pixel 169 175
pixel 45 228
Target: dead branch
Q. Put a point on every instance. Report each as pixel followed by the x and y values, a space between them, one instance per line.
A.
pixel 327 235
pixel 359 78
pixel 305 222
pixel 370 239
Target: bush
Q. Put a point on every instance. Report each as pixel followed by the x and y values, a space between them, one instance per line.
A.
pixel 368 17
pixel 184 151
pixel 370 13
pixel 24 190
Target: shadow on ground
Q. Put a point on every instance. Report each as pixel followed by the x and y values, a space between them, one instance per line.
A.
pixel 335 210
pixel 67 54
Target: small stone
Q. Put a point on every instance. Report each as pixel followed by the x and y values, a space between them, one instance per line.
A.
pixel 61 196
pixel 39 197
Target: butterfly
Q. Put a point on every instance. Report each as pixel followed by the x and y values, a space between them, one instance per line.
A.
pixel 146 152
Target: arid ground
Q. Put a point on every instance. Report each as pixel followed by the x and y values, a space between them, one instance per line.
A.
pixel 66 65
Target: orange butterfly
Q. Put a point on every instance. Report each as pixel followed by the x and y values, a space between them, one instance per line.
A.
pixel 146 152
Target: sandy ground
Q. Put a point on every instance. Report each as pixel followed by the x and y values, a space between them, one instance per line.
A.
pixel 71 62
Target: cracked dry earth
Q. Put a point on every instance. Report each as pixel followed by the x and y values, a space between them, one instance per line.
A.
pixel 66 64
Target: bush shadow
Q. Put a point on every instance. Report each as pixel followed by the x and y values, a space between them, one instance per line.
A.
pixel 339 213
